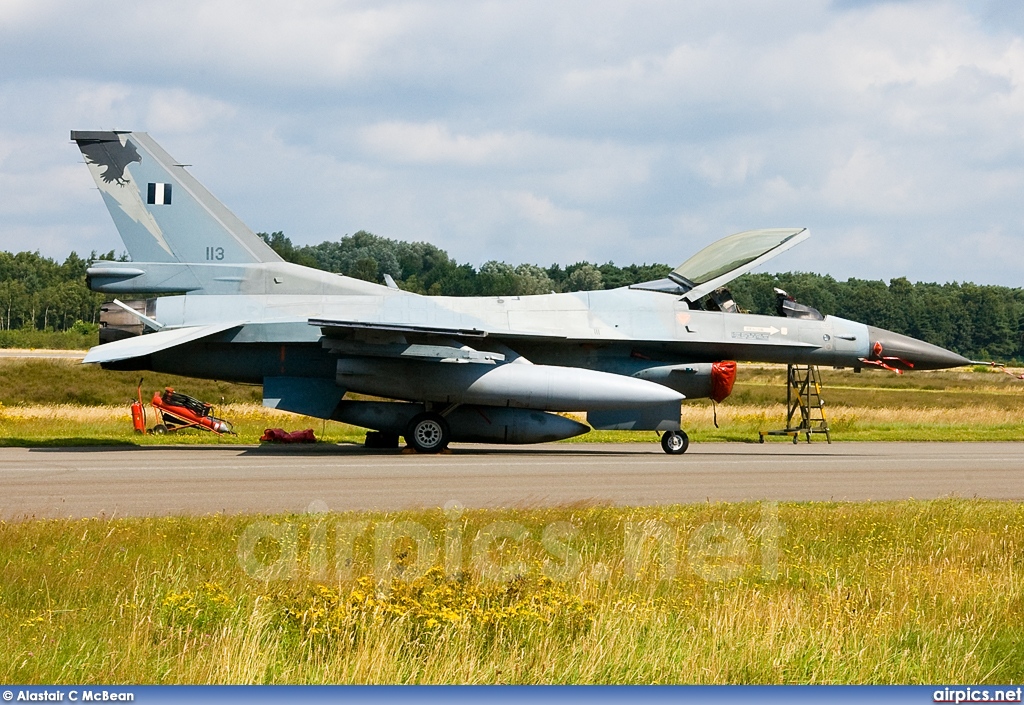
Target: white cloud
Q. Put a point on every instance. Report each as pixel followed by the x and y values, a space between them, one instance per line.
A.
pixel 541 211
pixel 433 143
pixel 867 180
pixel 725 169
pixel 177 110
pixel 25 14
pixel 535 132
pixel 40 192
pixel 101 104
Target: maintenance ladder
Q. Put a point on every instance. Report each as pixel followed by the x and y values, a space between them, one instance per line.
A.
pixel 803 394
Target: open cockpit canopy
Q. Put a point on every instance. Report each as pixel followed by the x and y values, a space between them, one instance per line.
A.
pixel 724 260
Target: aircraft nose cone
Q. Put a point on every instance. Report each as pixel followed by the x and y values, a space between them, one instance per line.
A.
pixel 923 356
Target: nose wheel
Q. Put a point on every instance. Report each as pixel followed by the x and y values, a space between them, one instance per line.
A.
pixel 675 442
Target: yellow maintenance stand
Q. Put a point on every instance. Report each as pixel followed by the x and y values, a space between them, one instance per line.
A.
pixel 803 394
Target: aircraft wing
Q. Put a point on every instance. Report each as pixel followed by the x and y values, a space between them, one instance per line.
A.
pixel 396 339
pixel 153 342
pixel 329 326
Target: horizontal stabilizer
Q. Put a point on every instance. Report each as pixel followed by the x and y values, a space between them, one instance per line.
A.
pixel 150 343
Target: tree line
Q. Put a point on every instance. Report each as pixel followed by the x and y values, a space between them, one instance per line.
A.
pixel 978 321
pixel 39 294
pixel 981 322
pixel 426 269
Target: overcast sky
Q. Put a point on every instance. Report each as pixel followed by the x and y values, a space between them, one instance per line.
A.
pixel 542 131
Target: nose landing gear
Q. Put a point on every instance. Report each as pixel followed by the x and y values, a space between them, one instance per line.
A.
pixel 675 442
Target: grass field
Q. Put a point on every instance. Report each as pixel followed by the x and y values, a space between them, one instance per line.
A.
pixel 77 338
pixel 25 382
pixel 69 424
pixel 60 402
pixel 896 592
pixel 905 592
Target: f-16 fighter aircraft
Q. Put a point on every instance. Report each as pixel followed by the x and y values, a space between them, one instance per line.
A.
pixel 471 369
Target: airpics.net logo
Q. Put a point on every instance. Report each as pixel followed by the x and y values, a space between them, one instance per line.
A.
pixel 961 694
pixel 322 546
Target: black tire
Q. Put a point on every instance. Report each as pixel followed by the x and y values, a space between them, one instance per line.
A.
pixel 427 433
pixel 159 429
pixel 675 442
pixel 381 439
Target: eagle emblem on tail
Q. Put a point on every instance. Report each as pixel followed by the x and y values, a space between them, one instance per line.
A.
pixel 113 157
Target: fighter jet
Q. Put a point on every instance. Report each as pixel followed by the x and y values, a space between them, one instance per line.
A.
pixel 491 369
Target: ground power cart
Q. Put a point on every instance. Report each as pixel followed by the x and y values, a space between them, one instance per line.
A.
pixel 176 411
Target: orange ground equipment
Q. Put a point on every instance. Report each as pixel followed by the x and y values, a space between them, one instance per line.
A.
pixel 139 411
pixel 179 411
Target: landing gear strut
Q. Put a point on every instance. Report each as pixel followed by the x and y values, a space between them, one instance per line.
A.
pixel 675 442
pixel 427 433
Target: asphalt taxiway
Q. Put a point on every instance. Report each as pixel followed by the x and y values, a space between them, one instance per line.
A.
pixel 149 481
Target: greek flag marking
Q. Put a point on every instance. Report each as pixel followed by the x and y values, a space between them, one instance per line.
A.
pixel 159 195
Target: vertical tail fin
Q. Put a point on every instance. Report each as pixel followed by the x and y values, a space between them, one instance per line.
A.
pixel 162 212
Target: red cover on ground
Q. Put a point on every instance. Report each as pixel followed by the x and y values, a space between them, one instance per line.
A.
pixel 279 435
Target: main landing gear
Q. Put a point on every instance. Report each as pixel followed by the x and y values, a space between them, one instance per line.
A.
pixel 428 433
pixel 675 442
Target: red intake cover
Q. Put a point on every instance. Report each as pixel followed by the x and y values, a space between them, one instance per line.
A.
pixel 723 376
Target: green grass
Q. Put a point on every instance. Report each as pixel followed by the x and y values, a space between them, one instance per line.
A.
pixel 31 382
pixel 897 592
pixel 948 389
pixel 62 402
pixel 27 382
pixel 72 425
pixel 81 338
